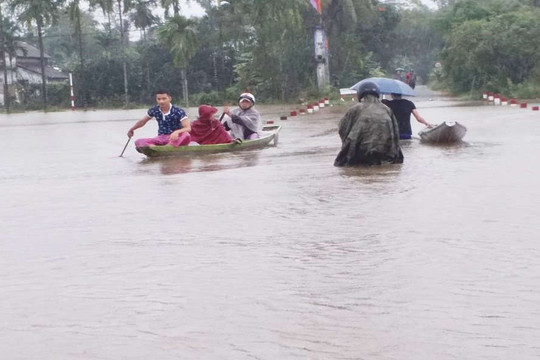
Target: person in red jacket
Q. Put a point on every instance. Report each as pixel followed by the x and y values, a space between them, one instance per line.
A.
pixel 207 129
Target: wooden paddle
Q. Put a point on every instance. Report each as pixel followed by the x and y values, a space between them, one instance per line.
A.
pixel 237 140
pixel 125 147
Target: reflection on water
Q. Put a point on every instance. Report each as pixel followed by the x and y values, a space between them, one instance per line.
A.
pixel 386 172
pixel 168 165
pixel 273 253
pixel 201 163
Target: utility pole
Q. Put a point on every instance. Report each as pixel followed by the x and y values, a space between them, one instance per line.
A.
pixel 321 57
pixel 123 49
pixel 321 49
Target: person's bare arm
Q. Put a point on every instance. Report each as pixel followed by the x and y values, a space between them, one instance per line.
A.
pixel 420 119
pixel 137 125
pixel 186 127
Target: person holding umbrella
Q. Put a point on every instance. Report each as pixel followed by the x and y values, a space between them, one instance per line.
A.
pixel 369 131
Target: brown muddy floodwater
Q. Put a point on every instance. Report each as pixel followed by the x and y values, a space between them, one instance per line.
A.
pixel 269 254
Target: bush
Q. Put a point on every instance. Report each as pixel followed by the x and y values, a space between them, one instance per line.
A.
pixel 30 97
pixel 525 90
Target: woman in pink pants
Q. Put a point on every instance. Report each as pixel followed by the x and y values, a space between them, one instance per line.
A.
pixel 182 139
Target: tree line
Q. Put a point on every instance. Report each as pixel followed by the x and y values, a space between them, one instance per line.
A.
pixel 491 45
pixel 266 46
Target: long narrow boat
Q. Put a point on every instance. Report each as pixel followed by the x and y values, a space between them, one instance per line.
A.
pixel 269 134
pixel 447 132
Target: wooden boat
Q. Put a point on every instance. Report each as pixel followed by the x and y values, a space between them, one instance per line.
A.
pixel 447 132
pixel 269 134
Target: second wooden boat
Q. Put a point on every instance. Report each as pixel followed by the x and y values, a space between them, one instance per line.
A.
pixel 447 132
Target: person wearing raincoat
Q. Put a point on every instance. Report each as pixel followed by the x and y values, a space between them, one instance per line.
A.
pixel 207 129
pixel 369 132
pixel 243 122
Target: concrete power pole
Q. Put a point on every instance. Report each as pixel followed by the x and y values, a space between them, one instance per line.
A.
pixel 321 57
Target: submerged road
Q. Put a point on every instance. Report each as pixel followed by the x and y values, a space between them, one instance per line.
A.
pixel 269 254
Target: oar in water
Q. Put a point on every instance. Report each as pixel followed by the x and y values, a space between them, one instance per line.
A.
pixel 125 147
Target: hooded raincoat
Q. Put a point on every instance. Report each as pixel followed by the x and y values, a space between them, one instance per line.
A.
pixel 369 135
pixel 207 129
pixel 244 123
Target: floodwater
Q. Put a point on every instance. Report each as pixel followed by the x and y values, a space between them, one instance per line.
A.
pixel 269 254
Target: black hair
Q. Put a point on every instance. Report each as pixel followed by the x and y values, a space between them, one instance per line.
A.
pixel 162 91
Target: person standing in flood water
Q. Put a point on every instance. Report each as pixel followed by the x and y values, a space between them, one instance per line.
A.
pixel 369 132
pixel 173 123
pixel 402 109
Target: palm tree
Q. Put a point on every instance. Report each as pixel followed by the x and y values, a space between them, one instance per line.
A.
pixel 179 34
pixel 124 6
pixel 105 5
pixel 167 4
pixel 40 12
pixel 12 42
pixel 142 16
pixel 3 55
pixel 74 11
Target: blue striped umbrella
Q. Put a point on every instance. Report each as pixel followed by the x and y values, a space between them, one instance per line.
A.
pixel 387 86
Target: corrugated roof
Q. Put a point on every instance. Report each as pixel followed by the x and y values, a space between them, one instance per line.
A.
pixel 50 72
pixel 29 50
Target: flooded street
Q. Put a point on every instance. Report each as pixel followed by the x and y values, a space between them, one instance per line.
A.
pixel 273 253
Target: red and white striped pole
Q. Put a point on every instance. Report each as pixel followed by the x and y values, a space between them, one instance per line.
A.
pixel 72 98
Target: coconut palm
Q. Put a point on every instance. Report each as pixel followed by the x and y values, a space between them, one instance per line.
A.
pixel 74 11
pixel 123 6
pixel 3 55
pixel 180 36
pixel 167 4
pixel 142 16
pixel 12 42
pixel 105 5
pixel 42 13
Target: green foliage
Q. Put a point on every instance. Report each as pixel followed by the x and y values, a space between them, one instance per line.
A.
pixel 179 35
pixel 415 45
pixel 266 46
pixel 59 94
pixel 273 64
pixel 493 53
pixel 462 11
pixel 525 90
pixel 30 96
pixel 216 98
pixel 40 11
